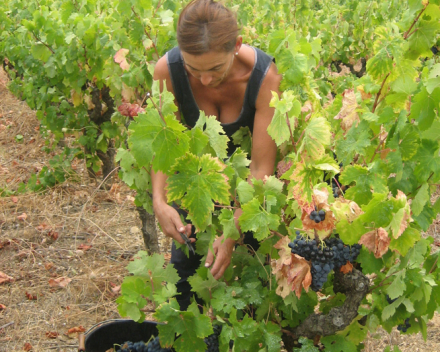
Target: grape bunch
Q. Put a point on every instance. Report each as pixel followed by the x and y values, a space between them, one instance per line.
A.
pixel 389 300
pixel 321 258
pixel 335 189
pixel 317 216
pixel 405 326
pixel 141 346
pixel 333 253
pixel 320 274
pixel 212 340
pixel 342 253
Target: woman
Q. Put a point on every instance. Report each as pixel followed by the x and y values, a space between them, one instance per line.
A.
pixel 213 71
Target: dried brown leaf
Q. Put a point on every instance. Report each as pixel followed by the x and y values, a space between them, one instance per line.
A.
pixel 348 114
pixel 376 241
pixel 22 217
pixel 27 347
pixel 59 282
pixel 347 268
pixel 84 247
pixel 52 334
pixel 5 278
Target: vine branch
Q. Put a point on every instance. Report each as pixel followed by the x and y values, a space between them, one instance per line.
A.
pixel 408 33
pixel 145 31
pixel 376 101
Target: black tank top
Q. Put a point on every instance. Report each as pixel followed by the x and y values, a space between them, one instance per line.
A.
pixel 188 106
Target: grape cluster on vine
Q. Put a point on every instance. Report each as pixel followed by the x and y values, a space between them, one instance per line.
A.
pixel 325 256
pixel 405 326
pixel 342 252
pixel 317 216
pixel 141 346
pixel 212 340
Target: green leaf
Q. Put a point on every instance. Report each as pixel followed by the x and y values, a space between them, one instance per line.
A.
pixel 397 287
pixel 337 343
pixel 423 38
pixel 240 163
pixel 433 81
pixel 424 107
pixel 406 241
pixel 245 191
pixel 198 182
pixel 356 141
pixel 428 158
pixel 420 199
pixel 198 141
pixel 366 182
pixel 306 346
pixel 256 219
pixel 282 126
pixel 316 137
pixel 190 327
pixel 213 129
pixel 226 218
pixel 204 283
pixel 151 137
pixel 41 52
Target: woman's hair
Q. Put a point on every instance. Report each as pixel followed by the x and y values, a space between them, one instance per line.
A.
pixel 206 25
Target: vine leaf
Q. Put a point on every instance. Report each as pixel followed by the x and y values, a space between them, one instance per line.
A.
pixel 316 138
pixel 292 272
pixel 402 218
pixel 346 209
pixel 198 182
pixel 121 60
pixel 282 125
pixel 213 129
pixel 356 141
pixel 227 220
pixel 153 138
pixel 348 114
pixel 300 187
pixel 376 241
pixel 424 106
pixel 190 327
pixel 365 180
pixel 338 343
pixel 420 199
pixel 255 218
pixel 433 81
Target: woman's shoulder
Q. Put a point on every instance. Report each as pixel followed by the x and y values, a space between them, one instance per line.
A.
pixel 161 69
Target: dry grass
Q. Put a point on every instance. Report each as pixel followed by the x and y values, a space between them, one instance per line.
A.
pixel 46 245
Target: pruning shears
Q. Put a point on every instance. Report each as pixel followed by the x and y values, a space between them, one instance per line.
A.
pixel 188 243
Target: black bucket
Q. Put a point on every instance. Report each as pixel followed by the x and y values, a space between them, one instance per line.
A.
pixel 104 335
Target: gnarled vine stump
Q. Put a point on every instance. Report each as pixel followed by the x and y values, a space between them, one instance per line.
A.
pixel 355 286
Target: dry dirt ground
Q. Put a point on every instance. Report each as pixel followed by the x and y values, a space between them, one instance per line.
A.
pixel 66 249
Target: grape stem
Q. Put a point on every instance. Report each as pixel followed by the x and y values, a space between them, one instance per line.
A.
pixel 376 101
pixel 408 33
pixel 291 134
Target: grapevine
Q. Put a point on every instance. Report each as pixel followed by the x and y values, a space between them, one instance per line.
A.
pixel 358 162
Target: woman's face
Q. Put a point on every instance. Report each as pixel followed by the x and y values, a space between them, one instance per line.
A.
pixel 210 68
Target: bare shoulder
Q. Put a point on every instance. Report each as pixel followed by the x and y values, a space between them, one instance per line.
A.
pixel 161 69
pixel 161 73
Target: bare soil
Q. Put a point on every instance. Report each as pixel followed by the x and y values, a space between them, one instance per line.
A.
pixel 66 249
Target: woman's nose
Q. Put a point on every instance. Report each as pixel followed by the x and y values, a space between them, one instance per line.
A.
pixel 205 78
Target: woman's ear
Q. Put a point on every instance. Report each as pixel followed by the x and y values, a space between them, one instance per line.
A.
pixel 238 43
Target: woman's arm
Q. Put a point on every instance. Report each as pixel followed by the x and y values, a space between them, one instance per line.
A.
pixel 166 215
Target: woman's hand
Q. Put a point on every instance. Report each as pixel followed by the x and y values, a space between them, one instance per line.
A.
pixel 223 253
pixel 170 222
